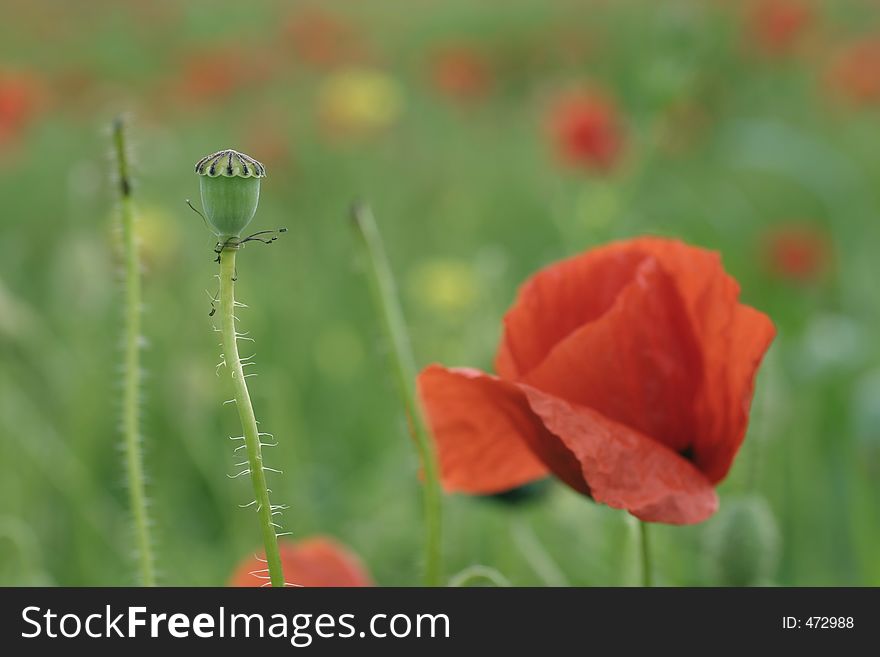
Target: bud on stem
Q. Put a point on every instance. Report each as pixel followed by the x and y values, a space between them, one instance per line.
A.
pixel 230 186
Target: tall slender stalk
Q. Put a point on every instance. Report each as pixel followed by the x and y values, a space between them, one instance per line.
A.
pixel 132 364
pixel 388 307
pixel 253 445
pixel 645 550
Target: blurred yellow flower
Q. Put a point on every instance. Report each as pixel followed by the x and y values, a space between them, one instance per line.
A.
pixel 444 285
pixel 357 102
pixel 158 236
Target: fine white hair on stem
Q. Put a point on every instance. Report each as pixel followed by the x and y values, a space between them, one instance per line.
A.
pixel 252 441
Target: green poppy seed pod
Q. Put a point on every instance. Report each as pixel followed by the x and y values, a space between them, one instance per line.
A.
pixel 230 185
pixel 743 543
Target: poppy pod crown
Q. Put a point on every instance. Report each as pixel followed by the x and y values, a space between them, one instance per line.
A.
pixel 626 371
pixel 229 182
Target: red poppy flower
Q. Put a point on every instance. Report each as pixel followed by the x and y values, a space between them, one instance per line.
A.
pixel 776 26
pixel 461 73
pixel 626 371
pixel 585 130
pixel 855 71
pixel 323 39
pixel 316 561
pixel 19 96
pixel 797 253
pixel 207 75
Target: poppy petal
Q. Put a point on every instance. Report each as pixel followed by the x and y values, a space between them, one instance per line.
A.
pixel 482 428
pixel 733 338
pixel 624 468
pixel 723 408
pixel 317 561
pixel 638 364
pixel 558 300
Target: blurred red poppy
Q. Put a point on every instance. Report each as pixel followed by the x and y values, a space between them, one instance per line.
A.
pixel 626 371
pixel 585 130
pixel 206 75
pixel 776 26
pixel 76 86
pixel 855 71
pixel 19 100
pixel 317 561
pixel 799 253
pixel 323 39
pixel 461 73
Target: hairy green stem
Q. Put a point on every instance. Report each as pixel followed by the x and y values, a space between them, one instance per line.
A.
pixel 132 365
pixel 645 550
pixel 246 414
pixel 386 300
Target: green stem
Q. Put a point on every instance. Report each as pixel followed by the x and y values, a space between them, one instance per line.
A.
pixel 479 572
pixel 246 414
pixel 132 369
pixel 386 300
pixel 645 548
pixel 535 554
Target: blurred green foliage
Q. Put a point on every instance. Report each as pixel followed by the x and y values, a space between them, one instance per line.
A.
pixel 724 142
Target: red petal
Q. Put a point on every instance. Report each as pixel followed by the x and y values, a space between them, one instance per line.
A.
pixel 315 561
pixel 733 339
pixel 481 422
pixel 482 428
pixel 624 468
pixel 558 300
pixel 638 364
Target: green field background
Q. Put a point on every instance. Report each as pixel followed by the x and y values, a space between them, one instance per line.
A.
pixel 471 200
